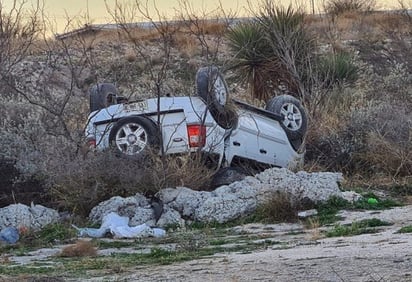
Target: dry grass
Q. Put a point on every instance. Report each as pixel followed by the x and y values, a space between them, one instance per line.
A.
pixel 354 25
pixel 188 170
pixel 282 207
pixel 186 44
pixel 314 229
pixel 81 248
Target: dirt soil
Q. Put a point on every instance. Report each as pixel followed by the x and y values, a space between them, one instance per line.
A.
pixel 300 254
pixel 383 256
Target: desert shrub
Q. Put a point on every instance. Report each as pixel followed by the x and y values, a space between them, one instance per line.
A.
pixel 367 141
pixel 336 69
pixel 82 183
pixel 189 170
pixel 339 7
pixel 282 207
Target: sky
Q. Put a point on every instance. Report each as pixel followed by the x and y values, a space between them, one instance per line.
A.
pixel 59 10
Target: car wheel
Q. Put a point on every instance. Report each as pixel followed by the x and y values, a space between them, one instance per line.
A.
pixel 102 95
pixel 212 88
pixel 134 136
pixel 294 117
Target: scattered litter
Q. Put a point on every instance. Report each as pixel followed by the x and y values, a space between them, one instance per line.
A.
pixel 118 227
pixel 9 235
pixel 372 201
pixel 307 213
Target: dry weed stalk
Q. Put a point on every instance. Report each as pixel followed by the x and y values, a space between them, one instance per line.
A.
pixel 81 248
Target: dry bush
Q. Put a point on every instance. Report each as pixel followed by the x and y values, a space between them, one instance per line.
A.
pixel 82 248
pixel 212 27
pixel 188 170
pixel 366 141
pixel 80 184
pixel 283 207
pixel 341 7
pixel 393 158
pixel 390 22
pixel 186 44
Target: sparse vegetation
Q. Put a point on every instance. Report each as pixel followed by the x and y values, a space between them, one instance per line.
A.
pixel 342 7
pixel 405 229
pixel 356 228
pixel 281 207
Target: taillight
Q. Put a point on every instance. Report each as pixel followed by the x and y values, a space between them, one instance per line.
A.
pixel 91 142
pixel 197 135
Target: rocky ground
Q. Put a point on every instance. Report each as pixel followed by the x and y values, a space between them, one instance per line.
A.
pixel 289 252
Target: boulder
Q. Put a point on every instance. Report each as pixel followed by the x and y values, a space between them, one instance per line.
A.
pixel 142 215
pixel 224 207
pixel 122 206
pixel 34 217
pixel 351 196
pixel 169 218
pixel 184 200
pixel 316 187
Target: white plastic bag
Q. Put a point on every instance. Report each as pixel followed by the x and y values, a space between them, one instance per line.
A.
pixel 119 227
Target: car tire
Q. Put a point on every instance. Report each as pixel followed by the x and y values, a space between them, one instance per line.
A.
pixel 212 88
pixel 294 121
pixel 102 95
pixel 134 136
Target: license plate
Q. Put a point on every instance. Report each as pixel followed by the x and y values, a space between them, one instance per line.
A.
pixel 135 106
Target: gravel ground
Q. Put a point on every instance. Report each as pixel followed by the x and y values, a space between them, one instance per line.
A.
pixel 300 255
pixel 383 256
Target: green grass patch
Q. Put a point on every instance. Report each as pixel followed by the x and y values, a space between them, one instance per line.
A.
pixel 405 229
pixel 366 226
pixel 327 211
pixel 381 204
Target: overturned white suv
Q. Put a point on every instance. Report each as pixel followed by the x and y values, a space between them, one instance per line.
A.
pixel 209 122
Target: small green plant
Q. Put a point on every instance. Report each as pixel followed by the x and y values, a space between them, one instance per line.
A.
pixel 337 69
pixel 356 228
pixel 56 233
pixel 405 229
pixel 327 211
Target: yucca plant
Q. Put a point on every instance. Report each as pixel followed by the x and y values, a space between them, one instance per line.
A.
pixel 253 60
pixel 336 69
pixel 272 52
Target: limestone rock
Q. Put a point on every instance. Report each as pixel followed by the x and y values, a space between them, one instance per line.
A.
pixel 317 187
pixel 170 217
pixel 223 208
pixel 122 206
pixel 34 217
pixel 186 201
pixel 142 215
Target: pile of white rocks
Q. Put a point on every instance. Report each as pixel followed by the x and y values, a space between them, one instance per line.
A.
pixel 180 205
pixel 224 204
